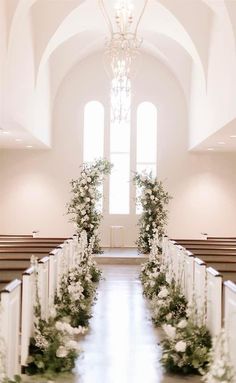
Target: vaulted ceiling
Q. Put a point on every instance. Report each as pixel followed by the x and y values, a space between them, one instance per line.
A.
pixel 42 40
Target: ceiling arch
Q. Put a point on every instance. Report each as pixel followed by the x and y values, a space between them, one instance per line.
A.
pixel 187 36
pixel 158 20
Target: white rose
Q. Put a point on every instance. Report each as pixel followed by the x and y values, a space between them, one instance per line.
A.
pixel 87 199
pixel 220 372
pixel 163 293
pixel 182 324
pixel 72 345
pixel 169 330
pixel 61 352
pixel 152 197
pixel 180 346
pixel 89 179
pixel 52 312
pixel 83 212
pixel 169 316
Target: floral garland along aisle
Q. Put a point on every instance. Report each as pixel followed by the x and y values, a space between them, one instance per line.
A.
pixel 153 200
pixel 187 346
pixel 84 204
pixel 54 347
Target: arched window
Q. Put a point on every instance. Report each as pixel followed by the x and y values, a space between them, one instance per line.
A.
pixel 147 138
pixel 146 153
pixel 93 131
pixel 120 177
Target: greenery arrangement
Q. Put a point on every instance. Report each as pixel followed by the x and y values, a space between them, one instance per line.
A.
pixel 85 199
pixel 54 348
pixel 186 347
pixel 153 200
pixel 220 367
pixel 77 288
pixel 169 306
pixel 153 280
pixel 153 272
pixel 187 342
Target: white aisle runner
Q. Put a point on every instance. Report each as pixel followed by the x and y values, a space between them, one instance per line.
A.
pixel 121 346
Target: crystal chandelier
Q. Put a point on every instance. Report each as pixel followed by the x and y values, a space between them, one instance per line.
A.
pixel 122 50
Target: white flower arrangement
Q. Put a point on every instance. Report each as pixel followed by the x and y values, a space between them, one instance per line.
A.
pixel 169 305
pixel 220 367
pixel 153 200
pixel 186 347
pixel 84 204
pixel 53 348
pixel 187 341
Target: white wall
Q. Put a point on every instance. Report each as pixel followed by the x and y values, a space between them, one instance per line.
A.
pixel 3 41
pixel 212 100
pixel 36 183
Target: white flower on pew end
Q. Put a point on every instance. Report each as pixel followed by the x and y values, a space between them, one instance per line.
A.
pixel 163 293
pixel 72 345
pixel 41 342
pixel 169 330
pixel 62 352
pixel 181 346
pixel 52 312
pixel 182 324
pixel 169 316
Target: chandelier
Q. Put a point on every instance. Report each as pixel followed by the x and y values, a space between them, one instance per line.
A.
pixel 121 54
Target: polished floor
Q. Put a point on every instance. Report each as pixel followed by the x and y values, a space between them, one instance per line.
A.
pixel 122 344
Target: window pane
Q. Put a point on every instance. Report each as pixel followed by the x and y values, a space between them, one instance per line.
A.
pixel 93 131
pixel 120 137
pixel 146 133
pixel 119 184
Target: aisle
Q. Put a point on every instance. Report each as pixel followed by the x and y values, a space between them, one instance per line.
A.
pixel 121 346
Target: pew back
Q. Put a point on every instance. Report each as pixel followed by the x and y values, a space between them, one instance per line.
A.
pixel 10 325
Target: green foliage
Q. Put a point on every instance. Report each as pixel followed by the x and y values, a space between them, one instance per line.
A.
pixel 153 278
pixel 74 298
pixel 220 366
pixel 169 306
pixel 83 206
pixel 51 351
pixel 53 348
pixel 186 348
pixel 153 200
pixel 17 379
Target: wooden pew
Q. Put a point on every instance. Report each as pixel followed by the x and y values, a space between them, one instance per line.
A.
pixel 222 238
pixel 10 326
pixel 27 322
pixel 214 301
pixel 17 235
pixel 206 278
pixel 226 269
pixel 230 317
pixel 31 242
pixel 204 242
pixel 14 260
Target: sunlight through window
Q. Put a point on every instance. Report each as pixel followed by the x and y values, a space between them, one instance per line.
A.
pixel 93 131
